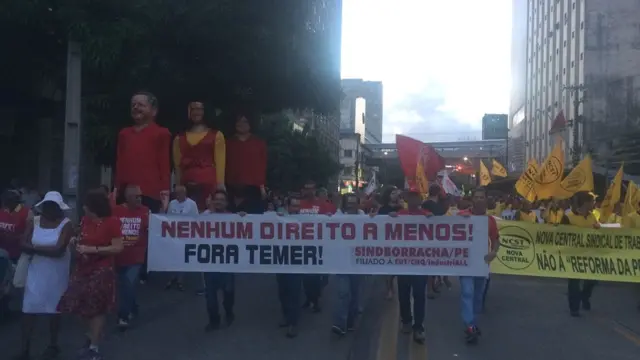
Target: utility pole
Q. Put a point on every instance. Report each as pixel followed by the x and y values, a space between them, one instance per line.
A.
pixel 576 147
pixel 358 161
pixel 73 129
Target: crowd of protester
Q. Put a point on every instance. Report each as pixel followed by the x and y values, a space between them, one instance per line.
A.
pixel 108 248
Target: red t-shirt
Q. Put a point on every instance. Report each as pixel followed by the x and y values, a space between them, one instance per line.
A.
pixel 316 206
pixel 135 232
pixel 12 226
pixel 493 227
pixel 97 232
pixel 422 212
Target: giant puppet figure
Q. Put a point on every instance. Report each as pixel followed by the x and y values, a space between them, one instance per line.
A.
pixel 247 165
pixel 143 153
pixel 199 156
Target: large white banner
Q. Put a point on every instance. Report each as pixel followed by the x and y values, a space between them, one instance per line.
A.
pixel 341 244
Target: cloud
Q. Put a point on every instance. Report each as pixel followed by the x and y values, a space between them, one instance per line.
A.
pixel 425 116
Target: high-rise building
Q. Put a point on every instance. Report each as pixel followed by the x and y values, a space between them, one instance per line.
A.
pixel 576 52
pixel 495 126
pixel 365 120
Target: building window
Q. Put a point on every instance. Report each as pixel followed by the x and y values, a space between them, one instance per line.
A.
pixel 572 64
pixel 564 71
pixel 581 24
pixel 348 153
pixel 573 34
pixel 557 51
pixel 574 5
pixel 564 43
pixel 581 56
pixel 556 76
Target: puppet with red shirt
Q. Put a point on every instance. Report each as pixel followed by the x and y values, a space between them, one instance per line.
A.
pixel 199 156
pixel 143 153
pixel 247 165
pixel 13 223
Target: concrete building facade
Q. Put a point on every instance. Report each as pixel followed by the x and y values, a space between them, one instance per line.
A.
pixel 367 121
pixel 585 51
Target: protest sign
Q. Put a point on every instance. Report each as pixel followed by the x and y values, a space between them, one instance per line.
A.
pixel 568 252
pixel 343 244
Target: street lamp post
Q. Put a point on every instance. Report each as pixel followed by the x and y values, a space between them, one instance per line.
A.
pixel 576 149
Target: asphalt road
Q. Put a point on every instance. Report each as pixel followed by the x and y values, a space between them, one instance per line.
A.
pixel 171 326
pixel 525 319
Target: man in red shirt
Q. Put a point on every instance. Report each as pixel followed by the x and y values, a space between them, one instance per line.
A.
pixel 415 285
pixel 472 288
pixel 143 153
pixel 134 218
pixel 13 223
pixel 312 205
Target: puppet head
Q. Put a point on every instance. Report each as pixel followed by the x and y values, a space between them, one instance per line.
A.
pixel 195 111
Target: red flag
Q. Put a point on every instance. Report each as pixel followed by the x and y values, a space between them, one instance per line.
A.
pixel 410 151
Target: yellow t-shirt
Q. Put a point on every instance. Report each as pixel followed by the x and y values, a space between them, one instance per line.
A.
pixel 529 217
pixel 582 221
pixel 631 220
pixel 553 216
pixel 614 219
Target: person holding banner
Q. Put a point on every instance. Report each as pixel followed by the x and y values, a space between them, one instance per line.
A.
pixel 391 202
pixel 290 285
pixel 525 213
pixel 413 285
pixel 581 215
pixel 347 299
pixel 311 204
pixel 215 281
pixel 181 205
pixel 472 288
pixel 554 213
pixel 134 219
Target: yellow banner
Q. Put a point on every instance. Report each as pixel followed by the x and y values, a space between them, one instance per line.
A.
pixel 549 176
pixel 612 197
pixel 568 252
pixel 485 177
pixel 497 169
pixel 525 184
pixel 579 179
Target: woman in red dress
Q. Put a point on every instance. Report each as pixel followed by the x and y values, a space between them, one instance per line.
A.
pixel 91 292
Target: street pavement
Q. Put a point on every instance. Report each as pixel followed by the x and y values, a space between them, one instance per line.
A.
pixel 525 319
pixel 171 326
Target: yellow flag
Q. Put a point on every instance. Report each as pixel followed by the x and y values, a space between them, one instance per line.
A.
pixel 524 185
pixel 613 195
pixel 579 179
pixel 630 199
pixel 485 177
pixel 547 181
pixel 497 169
pixel 421 179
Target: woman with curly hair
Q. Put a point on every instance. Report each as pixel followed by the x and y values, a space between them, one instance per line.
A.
pixel 91 292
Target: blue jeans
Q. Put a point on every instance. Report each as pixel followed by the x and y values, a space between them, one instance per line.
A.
pixel 214 282
pixel 289 289
pixel 127 281
pixel 346 301
pixel 471 298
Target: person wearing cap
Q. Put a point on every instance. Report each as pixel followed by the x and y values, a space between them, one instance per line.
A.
pixel 91 293
pixel 46 241
pixel 412 285
pixel 13 223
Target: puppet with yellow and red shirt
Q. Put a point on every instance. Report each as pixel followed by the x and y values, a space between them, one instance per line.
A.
pixel 199 156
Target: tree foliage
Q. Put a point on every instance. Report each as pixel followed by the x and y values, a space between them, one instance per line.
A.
pixel 294 157
pixel 263 55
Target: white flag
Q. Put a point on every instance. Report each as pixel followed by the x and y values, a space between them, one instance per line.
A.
pixel 372 186
pixel 449 186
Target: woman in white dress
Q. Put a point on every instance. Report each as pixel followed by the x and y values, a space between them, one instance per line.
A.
pixel 48 275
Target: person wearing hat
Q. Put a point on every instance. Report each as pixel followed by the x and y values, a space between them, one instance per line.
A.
pixel 47 242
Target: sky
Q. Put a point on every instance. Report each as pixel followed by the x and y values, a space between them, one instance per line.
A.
pixel 443 64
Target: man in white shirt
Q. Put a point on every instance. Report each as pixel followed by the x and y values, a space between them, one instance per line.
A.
pixel 182 204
